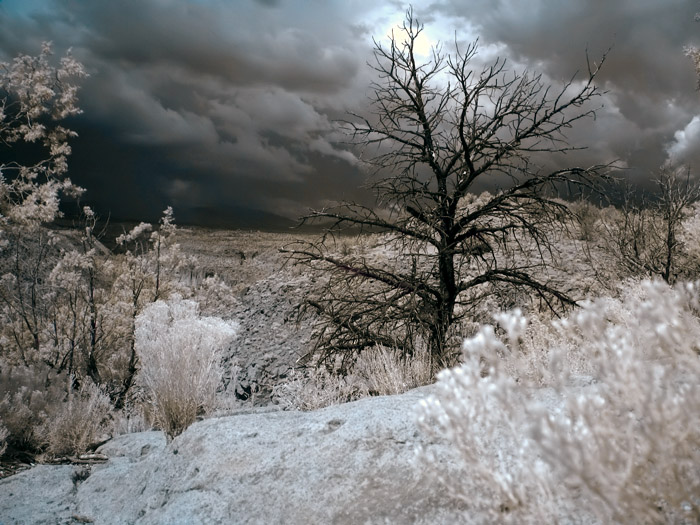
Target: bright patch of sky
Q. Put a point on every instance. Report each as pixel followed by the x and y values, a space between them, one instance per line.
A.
pixel 24 7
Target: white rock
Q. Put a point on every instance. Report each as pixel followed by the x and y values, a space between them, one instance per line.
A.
pixel 352 463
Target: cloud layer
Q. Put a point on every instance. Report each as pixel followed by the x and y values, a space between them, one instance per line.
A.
pixel 215 105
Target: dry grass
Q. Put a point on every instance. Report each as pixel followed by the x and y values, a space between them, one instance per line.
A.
pixel 36 420
pixel 132 418
pixel 317 388
pixel 386 372
pixel 25 406
pixel 80 422
pixel 379 371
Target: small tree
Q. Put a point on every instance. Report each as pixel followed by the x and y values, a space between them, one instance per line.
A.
pixel 34 98
pixel 82 326
pixel 648 236
pixel 440 129
pixel 150 259
pixel 677 194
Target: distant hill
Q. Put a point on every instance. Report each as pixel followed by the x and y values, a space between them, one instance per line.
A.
pixel 234 218
pixel 228 218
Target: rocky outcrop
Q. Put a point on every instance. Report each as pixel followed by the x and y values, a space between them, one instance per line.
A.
pixel 269 341
pixel 352 463
pixel 266 290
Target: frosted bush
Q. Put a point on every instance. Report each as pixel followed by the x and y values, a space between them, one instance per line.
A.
pixel 623 446
pixel 180 360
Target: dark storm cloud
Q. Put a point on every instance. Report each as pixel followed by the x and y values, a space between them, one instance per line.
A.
pixel 649 103
pixel 226 96
pixel 216 105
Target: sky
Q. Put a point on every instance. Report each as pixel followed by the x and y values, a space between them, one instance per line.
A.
pixel 227 109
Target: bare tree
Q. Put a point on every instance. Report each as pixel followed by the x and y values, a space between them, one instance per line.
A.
pixel 645 236
pixel 439 129
pixel 677 193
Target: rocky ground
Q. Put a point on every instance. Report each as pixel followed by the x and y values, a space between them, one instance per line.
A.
pixel 267 290
pixel 351 463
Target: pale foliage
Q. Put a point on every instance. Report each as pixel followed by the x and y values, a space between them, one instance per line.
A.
pixel 67 306
pixel 622 445
pixel 34 97
pixel 151 260
pixel 180 356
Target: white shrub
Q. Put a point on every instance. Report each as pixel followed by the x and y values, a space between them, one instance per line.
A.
pixel 179 355
pixel 623 446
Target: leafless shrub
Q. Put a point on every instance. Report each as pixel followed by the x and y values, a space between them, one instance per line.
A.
pixel 646 237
